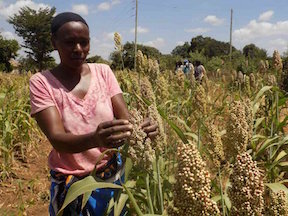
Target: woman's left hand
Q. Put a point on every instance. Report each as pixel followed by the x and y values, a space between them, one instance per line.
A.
pixel 150 128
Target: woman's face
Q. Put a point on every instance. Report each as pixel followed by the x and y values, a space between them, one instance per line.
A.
pixel 72 42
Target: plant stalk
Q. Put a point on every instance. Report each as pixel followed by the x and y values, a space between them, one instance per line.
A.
pixel 159 186
pixel 150 204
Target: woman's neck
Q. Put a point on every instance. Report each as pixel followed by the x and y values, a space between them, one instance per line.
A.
pixel 66 72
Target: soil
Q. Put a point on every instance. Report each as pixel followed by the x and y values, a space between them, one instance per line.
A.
pixel 26 192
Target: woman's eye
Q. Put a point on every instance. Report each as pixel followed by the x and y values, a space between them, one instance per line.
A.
pixel 70 42
pixel 84 43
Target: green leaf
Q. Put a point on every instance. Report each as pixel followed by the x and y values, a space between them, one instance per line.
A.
pixel 173 126
pixel 280 156
pixel 120 204
pixel 2 95
pixel 85 198
pixel 276 187
pixel 85 185
pixel 183 123
pixel 283 164
pixel 265 145
pixel 132 199
pixel 152 215
pixel 193 135
pixel 227 201
pixel 128 168
pixel 260 93
pixel 256 137
pixel 255 108
pixel 282 124
pixel 258 122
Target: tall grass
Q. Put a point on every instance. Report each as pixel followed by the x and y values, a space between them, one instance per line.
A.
pixel 17 128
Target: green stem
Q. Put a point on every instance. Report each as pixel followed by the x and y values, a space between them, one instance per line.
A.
pixel 131 197
pixel 159 186
pixel 221 193
pixel 149 195
pixel 198 142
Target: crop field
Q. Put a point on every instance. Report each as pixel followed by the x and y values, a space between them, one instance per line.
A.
pixel 221 148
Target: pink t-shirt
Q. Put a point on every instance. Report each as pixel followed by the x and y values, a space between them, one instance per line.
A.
pixel 79 116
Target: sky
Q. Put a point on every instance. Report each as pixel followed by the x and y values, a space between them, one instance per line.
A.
pixel 164 24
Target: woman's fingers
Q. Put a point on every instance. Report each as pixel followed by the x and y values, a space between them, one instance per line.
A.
pixel 146 123
pixel 114 133
pixel 116 129
pixel 150 129
pixel 112 123
pixel 119 136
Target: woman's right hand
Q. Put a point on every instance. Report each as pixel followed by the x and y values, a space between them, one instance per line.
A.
pixel 112 134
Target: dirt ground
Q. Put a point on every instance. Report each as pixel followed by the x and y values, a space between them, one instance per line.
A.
pixel 27 192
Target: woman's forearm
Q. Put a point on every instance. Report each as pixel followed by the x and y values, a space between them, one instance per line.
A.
pixel 71 143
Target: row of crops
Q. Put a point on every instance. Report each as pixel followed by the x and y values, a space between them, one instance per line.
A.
pixel 18 132
pixel 222 147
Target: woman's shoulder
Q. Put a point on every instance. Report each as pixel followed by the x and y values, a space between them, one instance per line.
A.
pixel 40 75
pixel 41 78
pixel 99 66
pixel 101 69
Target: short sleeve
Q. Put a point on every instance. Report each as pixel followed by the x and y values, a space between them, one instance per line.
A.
pixel 111 81
pixel 40 98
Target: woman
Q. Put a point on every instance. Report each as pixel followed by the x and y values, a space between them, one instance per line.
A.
pixel 81 110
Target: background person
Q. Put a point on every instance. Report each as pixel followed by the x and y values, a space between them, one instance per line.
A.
pixel 199 71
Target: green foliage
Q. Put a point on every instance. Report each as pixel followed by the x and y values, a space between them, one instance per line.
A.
pixel 96 59
pixel 34 27
pixel 214 63
pixel 128 55
pixel 253 52
pixel 168 62
pixel 16 125
pixel 28 64
pixel 182 50
pixel 197 56
pixel 284 78
pixel 210 47
pixel 8 50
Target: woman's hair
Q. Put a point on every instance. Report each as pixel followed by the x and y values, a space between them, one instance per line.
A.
pixel 63 18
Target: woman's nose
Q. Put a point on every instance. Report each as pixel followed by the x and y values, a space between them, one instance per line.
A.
pixel 77 47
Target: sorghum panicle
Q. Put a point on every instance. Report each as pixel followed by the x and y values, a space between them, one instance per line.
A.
pixel 247 188
pixel 147 90
pixel 252 80
pixel 160 140
pixel 262 66
pixel 271 80
pixel 278 204
pixel 277 61
pixel 237 135
pixel 192 188
pixel 200 101
pixel 162 89
pixel 140 62
pixel 247 85
pixel 214 145
pixel 140 147
pixel 117 41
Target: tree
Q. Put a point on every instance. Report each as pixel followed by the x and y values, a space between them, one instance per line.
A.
pixel 8 50
pixel 34 27
pixel 128 55
pixel 251 51
pixel 210 47
pixel 96 59
pixel 182 50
